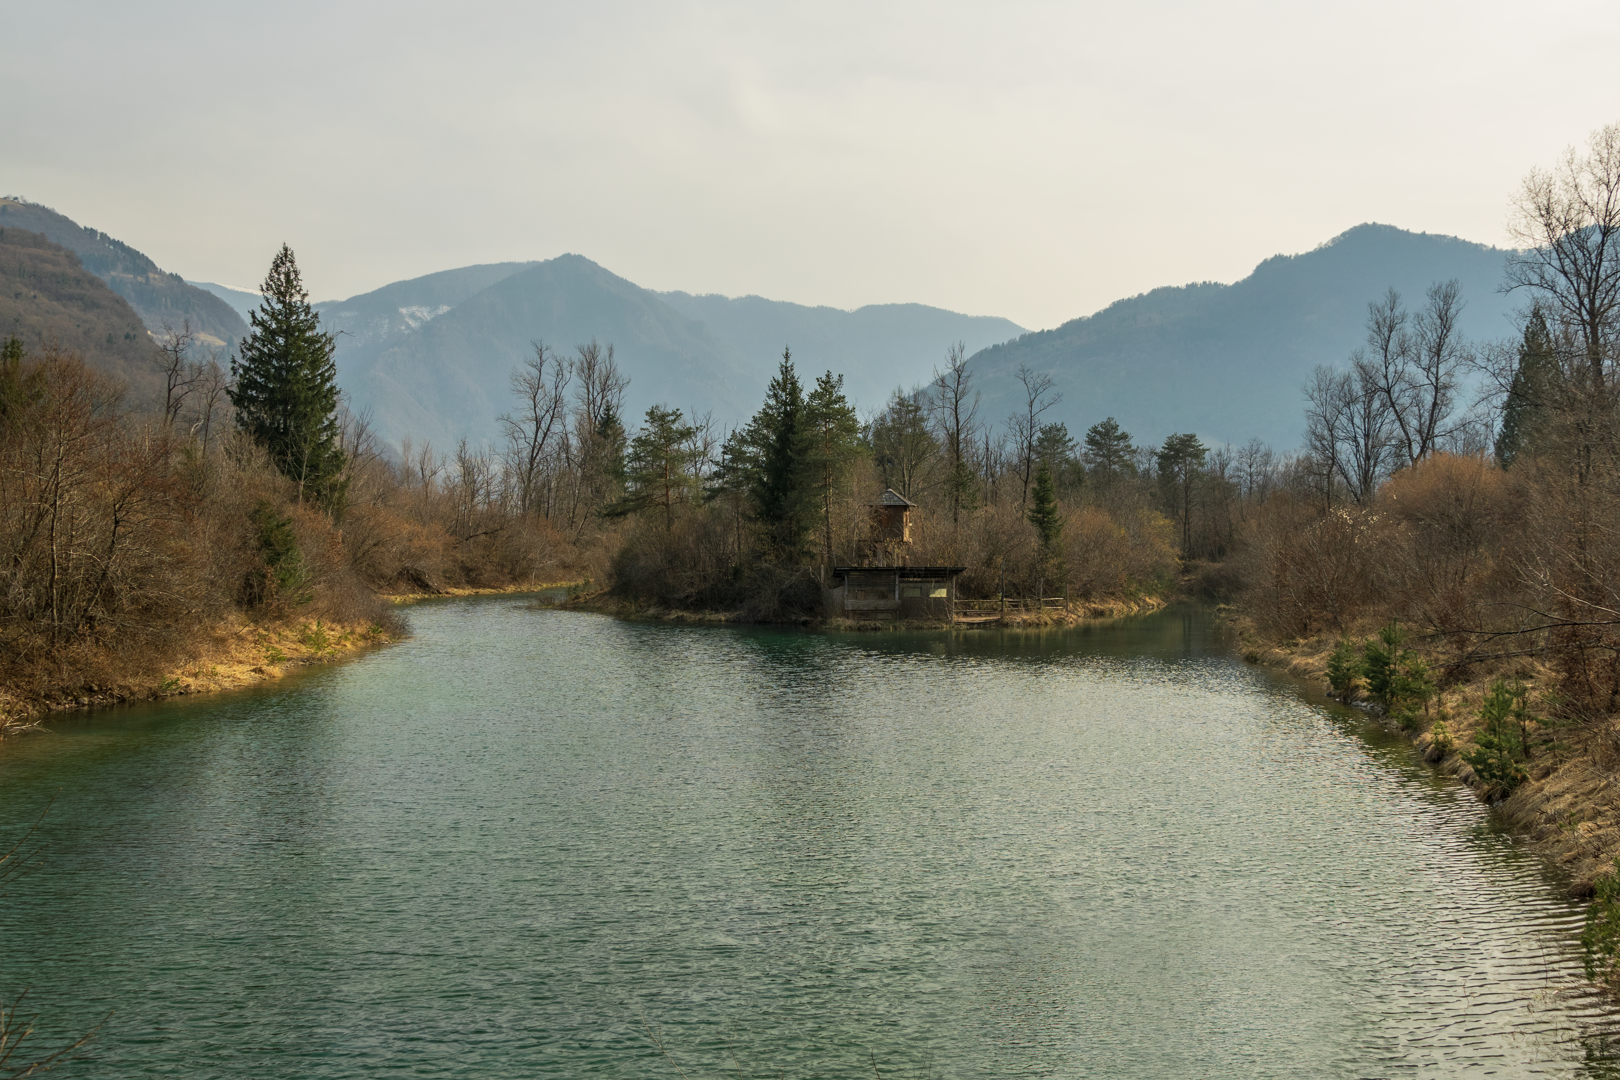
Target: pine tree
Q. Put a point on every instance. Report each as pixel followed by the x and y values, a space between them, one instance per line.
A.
pixel 1043 510
pixel 1108 452
pixel 1533 377
pixel 659 468
pixel 766 459
pixel 831 442
pixel 1056 447
pixel 285 391
pixel 1180 461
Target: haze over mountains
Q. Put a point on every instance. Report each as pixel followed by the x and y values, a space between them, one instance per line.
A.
pixel 430 358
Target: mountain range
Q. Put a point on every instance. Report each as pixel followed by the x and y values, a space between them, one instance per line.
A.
pixel 430 358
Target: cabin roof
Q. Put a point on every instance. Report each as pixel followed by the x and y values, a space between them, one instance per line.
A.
pixel 891 497
pixel 905 571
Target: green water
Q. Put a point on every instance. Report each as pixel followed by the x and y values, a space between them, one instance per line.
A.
pixel 503 847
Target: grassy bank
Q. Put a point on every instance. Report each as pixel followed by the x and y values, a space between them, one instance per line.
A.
pixel 520 589
pixel 234 653
pixel 606 602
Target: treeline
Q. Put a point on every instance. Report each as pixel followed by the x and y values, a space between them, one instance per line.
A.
pixel 754 520
pixel 1492 531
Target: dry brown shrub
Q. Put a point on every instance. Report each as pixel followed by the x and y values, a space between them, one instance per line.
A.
pixel 1112 554
pixel 1307 570
pixel 1445 520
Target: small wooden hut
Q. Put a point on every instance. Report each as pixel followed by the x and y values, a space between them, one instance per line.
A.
pixel 894 592
pixel 891 519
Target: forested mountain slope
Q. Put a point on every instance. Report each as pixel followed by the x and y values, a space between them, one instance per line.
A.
pixel 157 297
pixel 48 298
pixel 1228 361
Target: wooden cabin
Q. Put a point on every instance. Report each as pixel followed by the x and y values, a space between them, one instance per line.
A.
pixel 894 592
pixel 891 519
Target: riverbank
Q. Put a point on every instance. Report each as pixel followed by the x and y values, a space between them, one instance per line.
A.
pixel 501 590
pixel 1568 809
pixel 236 653
pixel 233 654
pixel 603 602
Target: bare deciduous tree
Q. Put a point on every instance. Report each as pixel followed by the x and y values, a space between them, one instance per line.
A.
pixel 1025 425
pixel 956 408
pixel 534 428
pixel 174 365
pixel 1567 222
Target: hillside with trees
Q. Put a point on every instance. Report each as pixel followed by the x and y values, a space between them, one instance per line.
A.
pixel 47 299
pixel 1226 361
pixel 160 299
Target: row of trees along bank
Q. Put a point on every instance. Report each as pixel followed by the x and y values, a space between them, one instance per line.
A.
pixel 1455 556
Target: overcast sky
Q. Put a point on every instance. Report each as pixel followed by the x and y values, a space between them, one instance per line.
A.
pixel 1035 161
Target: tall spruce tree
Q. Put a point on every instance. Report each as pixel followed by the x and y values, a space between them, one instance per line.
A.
pixel 831 442
pixel 1043 510
pixel 1534 376
pixel 285 391
pixel 769 454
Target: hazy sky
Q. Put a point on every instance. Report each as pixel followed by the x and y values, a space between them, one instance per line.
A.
pixel 1029 160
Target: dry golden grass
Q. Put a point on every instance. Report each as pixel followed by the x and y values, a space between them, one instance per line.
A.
pixel 235 653
pixel 501 590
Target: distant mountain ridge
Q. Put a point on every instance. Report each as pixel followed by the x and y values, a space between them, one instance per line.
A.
pixel 1228 361
pixel 431 358
pixel 240 301
pixel 156 296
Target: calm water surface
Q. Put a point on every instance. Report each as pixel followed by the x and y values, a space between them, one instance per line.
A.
pixel 515 843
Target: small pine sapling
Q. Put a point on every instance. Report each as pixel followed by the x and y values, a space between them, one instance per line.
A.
pixel 1503 745
pixel 1344 670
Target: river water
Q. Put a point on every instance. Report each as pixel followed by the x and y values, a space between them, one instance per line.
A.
pixel 537 843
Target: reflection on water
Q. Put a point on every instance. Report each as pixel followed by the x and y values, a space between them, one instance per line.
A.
pixel 503 847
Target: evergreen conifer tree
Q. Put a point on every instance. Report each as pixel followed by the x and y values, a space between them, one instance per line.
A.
pixel 830 432
pixel 1533 377
pixel 768 457
pixel 285 391
pixel 659 467
pixel 1181 462
pixel 1055 446
pixel 1043 509
pixel 1108 452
